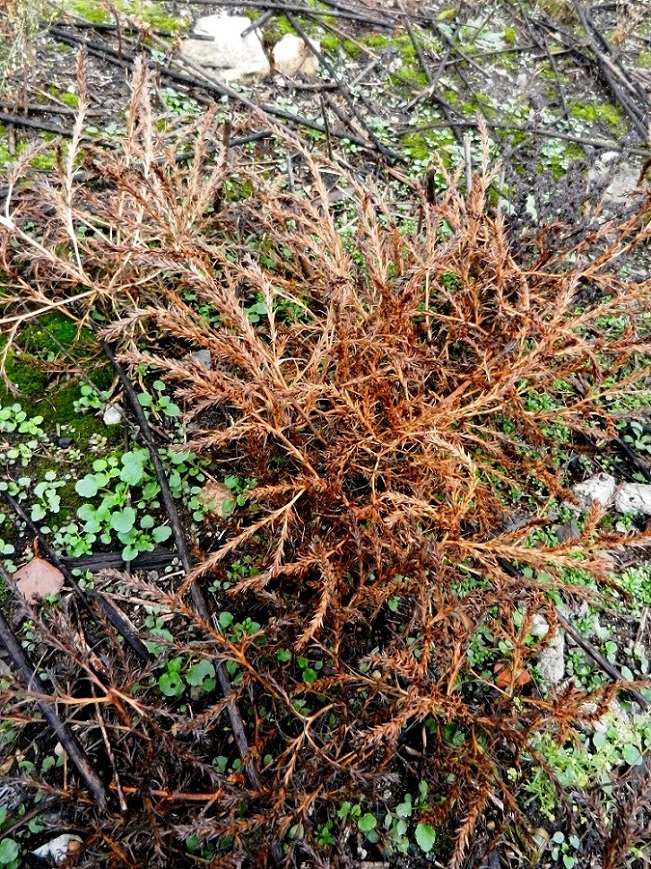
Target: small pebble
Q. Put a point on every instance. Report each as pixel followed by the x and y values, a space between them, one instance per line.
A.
pixel 64 443
pixel 113 414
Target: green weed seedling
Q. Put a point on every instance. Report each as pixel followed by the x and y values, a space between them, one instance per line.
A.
pixel 11 853
pixel 177 676
pixel 114 480
pixel 201 677
pixel 394 828
pixel 90 398
pixel 170 682
pixel 366 822
pixel 158 402
pixel 49 499
pixel 180 104
pixel 639 438
pixel 564 848
pixel 155 624
pixel 240 489
pixel 396 824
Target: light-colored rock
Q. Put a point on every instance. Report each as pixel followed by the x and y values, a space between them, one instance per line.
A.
pixel 599 489
pixel 624 180
pixel 634 498
pixel 552 658
pixel 58 850
pixel 539 626
pixel 113 414
pixel 226 53
pixel 616 715
pixel 292 56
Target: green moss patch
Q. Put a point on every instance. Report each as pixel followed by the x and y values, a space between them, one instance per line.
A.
pixel 42 337
pixel 604 112
pixel 66 97
pixel 91 10
pixel 375 40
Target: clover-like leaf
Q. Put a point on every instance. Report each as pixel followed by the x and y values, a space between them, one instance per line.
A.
pixel 367 823
pixel 162 533
pixel 201 673
pixel 87 487
pixel 123 520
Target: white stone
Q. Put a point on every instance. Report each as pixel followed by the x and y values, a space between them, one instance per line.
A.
pixel 625 179
pixel 113 414
pixel 292 56
pixel 600 488
pixel 615 715
pixel 539 626
pixel 552 658
pixel 58 850
pixel 634 498
pixel 226 52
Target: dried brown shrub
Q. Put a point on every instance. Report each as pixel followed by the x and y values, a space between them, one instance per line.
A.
pixel 396 391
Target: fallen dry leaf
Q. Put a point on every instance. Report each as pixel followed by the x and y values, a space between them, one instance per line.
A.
pixel 38 579
pixel 215 496
pixel 504 675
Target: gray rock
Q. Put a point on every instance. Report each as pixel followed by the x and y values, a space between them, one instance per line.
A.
pixel 600 488
pixel 292 56
pixel 567 531
pixel 225 52
pixel 201 357
pixel 624 180
pixel 552 658
pixel 615 715
pixel 634 498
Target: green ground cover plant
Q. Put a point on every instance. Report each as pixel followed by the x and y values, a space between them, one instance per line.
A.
pixel 373 403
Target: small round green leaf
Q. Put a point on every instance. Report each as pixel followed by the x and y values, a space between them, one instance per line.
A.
pixel 87 486
pixel 199 672
pixel 367 823
pixel 631 754
pixel 161 533
pixel 425 836
pixel 132 468
pixel 123 521
pixel 171 684
pixel 8 851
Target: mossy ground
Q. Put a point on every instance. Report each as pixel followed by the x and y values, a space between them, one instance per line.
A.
pixel 53 395
pixel 605 113
pixel 148 12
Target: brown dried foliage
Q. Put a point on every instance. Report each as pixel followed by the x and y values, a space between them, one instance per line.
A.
pixel 405 390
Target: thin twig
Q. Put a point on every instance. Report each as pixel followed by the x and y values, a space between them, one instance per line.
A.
pixel 21 121
pixel 259 22
pixel 381 147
